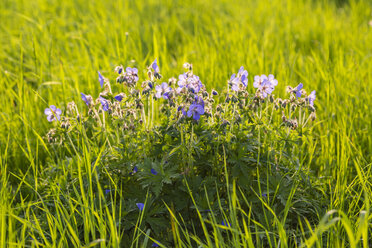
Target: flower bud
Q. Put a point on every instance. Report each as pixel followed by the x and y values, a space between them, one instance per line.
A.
pixel 149 74
pixel 313 116
pixel 187 66
pixel 172 81
pixel 284 119
pixel 289 89
pixel 205 94
pixel 276 106
pixel 294 124
pixel 139 105
pixel 119 69
pixel 157 75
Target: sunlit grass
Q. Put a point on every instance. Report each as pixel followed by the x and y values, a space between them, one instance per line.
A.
pixel 50 51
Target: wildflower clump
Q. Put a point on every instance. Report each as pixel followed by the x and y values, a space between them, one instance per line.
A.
pixel 162 139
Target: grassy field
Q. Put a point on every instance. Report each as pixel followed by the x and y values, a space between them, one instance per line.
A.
pixel 50 51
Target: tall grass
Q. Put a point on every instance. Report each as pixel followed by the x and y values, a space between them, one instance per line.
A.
pixel 50 52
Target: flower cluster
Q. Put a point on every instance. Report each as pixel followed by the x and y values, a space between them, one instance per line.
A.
pixel 189 81
pixel 186 99
pixel 128 77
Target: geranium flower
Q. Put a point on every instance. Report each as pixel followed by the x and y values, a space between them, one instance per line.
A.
pixel 266 88
pixel 272 80
pixel 162 91
pixel 154 172
pixel 105 103
pixel 298 90
pixel 119 97
pixel 87 99
pixel 311 98
pixel 225 223
pixel 140 206
pixel 240 80
pixel 258 80
pixel 101 79
pixel 155 66
pixel 196 109
pixel 53 113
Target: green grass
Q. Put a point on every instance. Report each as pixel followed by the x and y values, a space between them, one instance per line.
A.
pixel 50 51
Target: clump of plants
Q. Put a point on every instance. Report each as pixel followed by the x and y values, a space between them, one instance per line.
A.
pixel 177 145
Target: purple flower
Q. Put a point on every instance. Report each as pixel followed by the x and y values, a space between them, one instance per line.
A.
pixel 87 99
pixel 155 66
pixel 105 103
pixel 107 191
pixel 140 206
pixel 184 111
pixel 243 75
pixel 266 88
pixel 119 97
pixel 240 80
pixel 298 90
pixel 264 195
pixel 155 244
pixel 101 79
pixel 162 91
pixel 196 109
pixel 190 82
pixel 131 76
pixel 265 85
pixel 134 171
pixel 258 80
pixel 272 80
pixel 53 113
pixel 311 98
pixel 225 223
pixel 119 69
pixel 132 72
pixel 154 172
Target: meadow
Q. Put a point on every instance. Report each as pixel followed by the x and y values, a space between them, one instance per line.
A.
pixel 214 182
